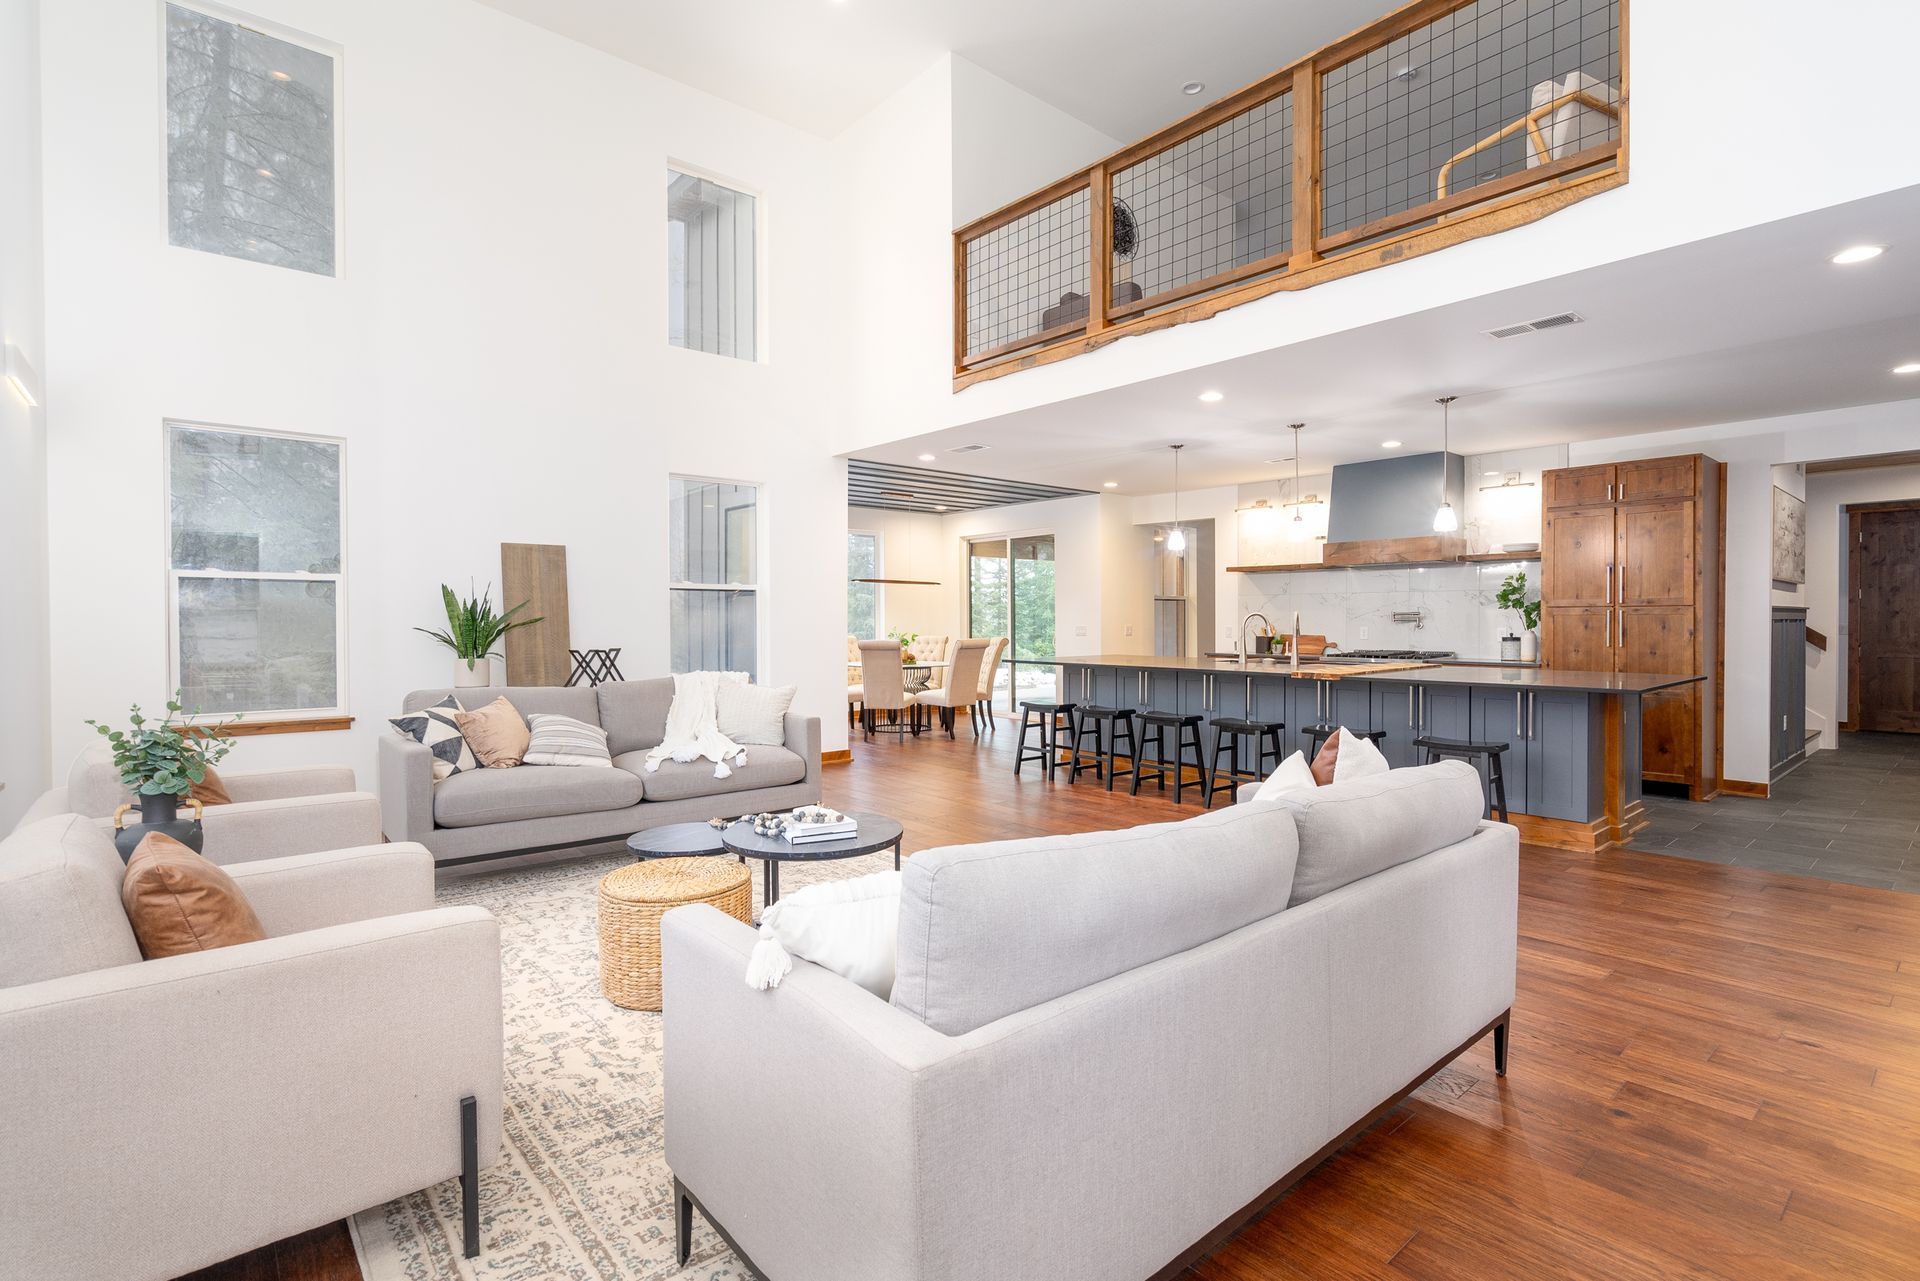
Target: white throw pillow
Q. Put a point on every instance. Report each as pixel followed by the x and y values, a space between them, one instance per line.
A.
pixel 753 715
pixel 849 927
pixel 562 740
pixel 1358 758
pixel 1290 775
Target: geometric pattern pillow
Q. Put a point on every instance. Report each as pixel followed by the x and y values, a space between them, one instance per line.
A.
pixel 435 728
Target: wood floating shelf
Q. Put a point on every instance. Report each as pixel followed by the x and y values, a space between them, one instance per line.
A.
pixel 1483 558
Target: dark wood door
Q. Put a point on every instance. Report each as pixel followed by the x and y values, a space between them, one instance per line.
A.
pixel 1652 478
pixel 1577 638
pixel 1579 486
pixel 1885 679
pixel 1661 639
pixel 1656 554
pixel 1576 557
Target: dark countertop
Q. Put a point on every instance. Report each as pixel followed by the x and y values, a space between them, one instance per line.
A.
pixel 1496 677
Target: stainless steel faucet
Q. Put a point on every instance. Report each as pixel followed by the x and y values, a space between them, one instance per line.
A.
pixel 1240 641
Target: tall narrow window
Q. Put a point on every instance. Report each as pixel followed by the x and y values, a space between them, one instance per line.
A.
pixel 250 134
pixel 712 552
pixel 255 571
pixel 863 599
pixel 710 266
pixel 1010 592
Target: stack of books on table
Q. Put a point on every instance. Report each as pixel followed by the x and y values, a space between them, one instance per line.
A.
pixel 810 826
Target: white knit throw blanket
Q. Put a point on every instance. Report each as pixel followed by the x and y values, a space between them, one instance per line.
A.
pixel 692 730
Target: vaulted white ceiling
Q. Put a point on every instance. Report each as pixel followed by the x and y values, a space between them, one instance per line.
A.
pixel 821 64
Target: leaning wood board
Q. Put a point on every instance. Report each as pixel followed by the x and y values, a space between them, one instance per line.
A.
pixel 537 574
pixel 1340 671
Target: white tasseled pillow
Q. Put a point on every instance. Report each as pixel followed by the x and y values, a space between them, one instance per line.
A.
pixel 850 927
pixel 753 715
pixel 1358 758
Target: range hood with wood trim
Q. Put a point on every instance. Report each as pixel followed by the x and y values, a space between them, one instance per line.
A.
pixel 1380 513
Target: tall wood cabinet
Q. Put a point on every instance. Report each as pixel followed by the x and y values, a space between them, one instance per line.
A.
pixel 1630 582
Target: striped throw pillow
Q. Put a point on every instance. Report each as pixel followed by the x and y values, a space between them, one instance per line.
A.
pixel 561 740
pixel 436 729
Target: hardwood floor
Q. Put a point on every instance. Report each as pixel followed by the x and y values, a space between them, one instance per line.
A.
pixel 1715 1072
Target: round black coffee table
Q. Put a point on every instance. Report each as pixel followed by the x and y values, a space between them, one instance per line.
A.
pixel 677 840
pixel 877 832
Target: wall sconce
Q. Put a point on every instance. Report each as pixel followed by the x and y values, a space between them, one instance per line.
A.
pixel 21 377
pixel 1512 481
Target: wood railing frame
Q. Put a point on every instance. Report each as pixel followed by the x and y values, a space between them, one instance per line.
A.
pixel 1311 257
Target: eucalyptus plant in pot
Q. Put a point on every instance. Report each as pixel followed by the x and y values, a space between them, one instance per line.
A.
pixel 473 631
pixel 1513 596
pixel 161 761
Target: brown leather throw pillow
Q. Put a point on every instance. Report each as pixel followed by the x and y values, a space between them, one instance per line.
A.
pixel 1324 758
pixel 497 733
pixel 178 902
pixel 210 790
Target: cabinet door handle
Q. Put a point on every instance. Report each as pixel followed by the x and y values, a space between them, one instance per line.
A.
pixel 1609 583
pixel 1519 698
pixel 1533 713
pixel 1409 707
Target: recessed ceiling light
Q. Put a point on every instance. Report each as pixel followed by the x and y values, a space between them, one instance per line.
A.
pixel 1113 484
pixel 264 172
pixel 1857 253
pixel 1911 367
pixel 939 507
pixel 1192 87
pixel 926 458
pixel 280 75
pixel 1212 397
pixel 1389 444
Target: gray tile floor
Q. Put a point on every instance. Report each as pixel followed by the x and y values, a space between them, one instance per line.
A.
pixel 1849 815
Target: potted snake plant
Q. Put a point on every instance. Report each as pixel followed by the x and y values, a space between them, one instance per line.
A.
pixel 473 632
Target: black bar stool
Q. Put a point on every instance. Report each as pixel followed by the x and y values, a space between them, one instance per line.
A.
pixel 1107 725
pixel 1153 734
pixel 1317 735
pixel 1052 720
pixel 1227 733
pixel 1460 749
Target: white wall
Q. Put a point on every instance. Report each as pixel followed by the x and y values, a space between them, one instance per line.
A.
pixel 912 545
pixel 494 349
pixel 24 705
pixel 1828 495
pixel 1007 143
pixel 1750 450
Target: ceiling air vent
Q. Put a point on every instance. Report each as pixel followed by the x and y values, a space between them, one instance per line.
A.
pixel 1560 321
pixel 968 449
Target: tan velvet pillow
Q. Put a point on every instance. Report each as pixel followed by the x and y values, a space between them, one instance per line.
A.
pixel 497 733
pixel 178 902
pixel 210 790
pixel 1324 758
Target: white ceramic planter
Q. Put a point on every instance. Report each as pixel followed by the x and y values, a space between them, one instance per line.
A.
pixel 1529 647
pixel 480 674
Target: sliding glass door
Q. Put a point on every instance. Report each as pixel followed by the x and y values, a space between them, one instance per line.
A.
pixel 1010 592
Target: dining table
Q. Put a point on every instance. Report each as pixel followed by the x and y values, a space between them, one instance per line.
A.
pixel 915 675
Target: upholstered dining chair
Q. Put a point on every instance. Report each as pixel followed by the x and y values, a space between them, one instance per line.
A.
pixel 933 649
pixel 963 690
pixel 853 678
pixel 989 668
pixel 883 688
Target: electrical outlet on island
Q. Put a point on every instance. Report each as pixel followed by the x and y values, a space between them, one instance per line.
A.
pixel 1363 633
pixel 1129 630
pixel 1081 631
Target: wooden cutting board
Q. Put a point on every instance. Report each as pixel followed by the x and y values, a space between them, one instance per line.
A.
pixel 1335 671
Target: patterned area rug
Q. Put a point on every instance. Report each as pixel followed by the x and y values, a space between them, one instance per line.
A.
pixel 582 1191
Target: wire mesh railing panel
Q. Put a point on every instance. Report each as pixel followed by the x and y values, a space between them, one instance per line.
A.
pixel 1220 200
pixel 1028 277
pixel 1491 90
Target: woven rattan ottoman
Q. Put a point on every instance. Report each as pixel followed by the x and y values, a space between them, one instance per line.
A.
pixel 632 901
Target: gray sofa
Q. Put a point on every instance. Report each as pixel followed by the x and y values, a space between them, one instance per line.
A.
pixel 1103 1052
pixel 493 813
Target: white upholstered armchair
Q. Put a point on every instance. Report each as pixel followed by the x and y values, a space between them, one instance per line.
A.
pixel 164 1115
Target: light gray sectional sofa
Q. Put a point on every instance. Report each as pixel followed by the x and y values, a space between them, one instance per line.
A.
pixel 1103 1052
pixel 492 813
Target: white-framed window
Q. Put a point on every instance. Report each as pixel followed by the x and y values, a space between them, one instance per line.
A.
pixel 713 253
pixel 251 119
pixel 865 601
pixel 256 571
pixel 713 557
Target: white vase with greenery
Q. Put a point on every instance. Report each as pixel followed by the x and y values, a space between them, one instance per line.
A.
pixel 473 630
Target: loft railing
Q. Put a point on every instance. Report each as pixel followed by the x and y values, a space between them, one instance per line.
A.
pixel 1443 121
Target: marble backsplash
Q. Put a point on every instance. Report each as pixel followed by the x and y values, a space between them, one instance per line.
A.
pixel 1456 604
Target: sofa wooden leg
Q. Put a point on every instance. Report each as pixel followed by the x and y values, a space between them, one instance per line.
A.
pixel 1500 1045
pixel 470 1175
pixel 682 1223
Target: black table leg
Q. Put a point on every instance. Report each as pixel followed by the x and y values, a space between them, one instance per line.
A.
pixel 769 883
